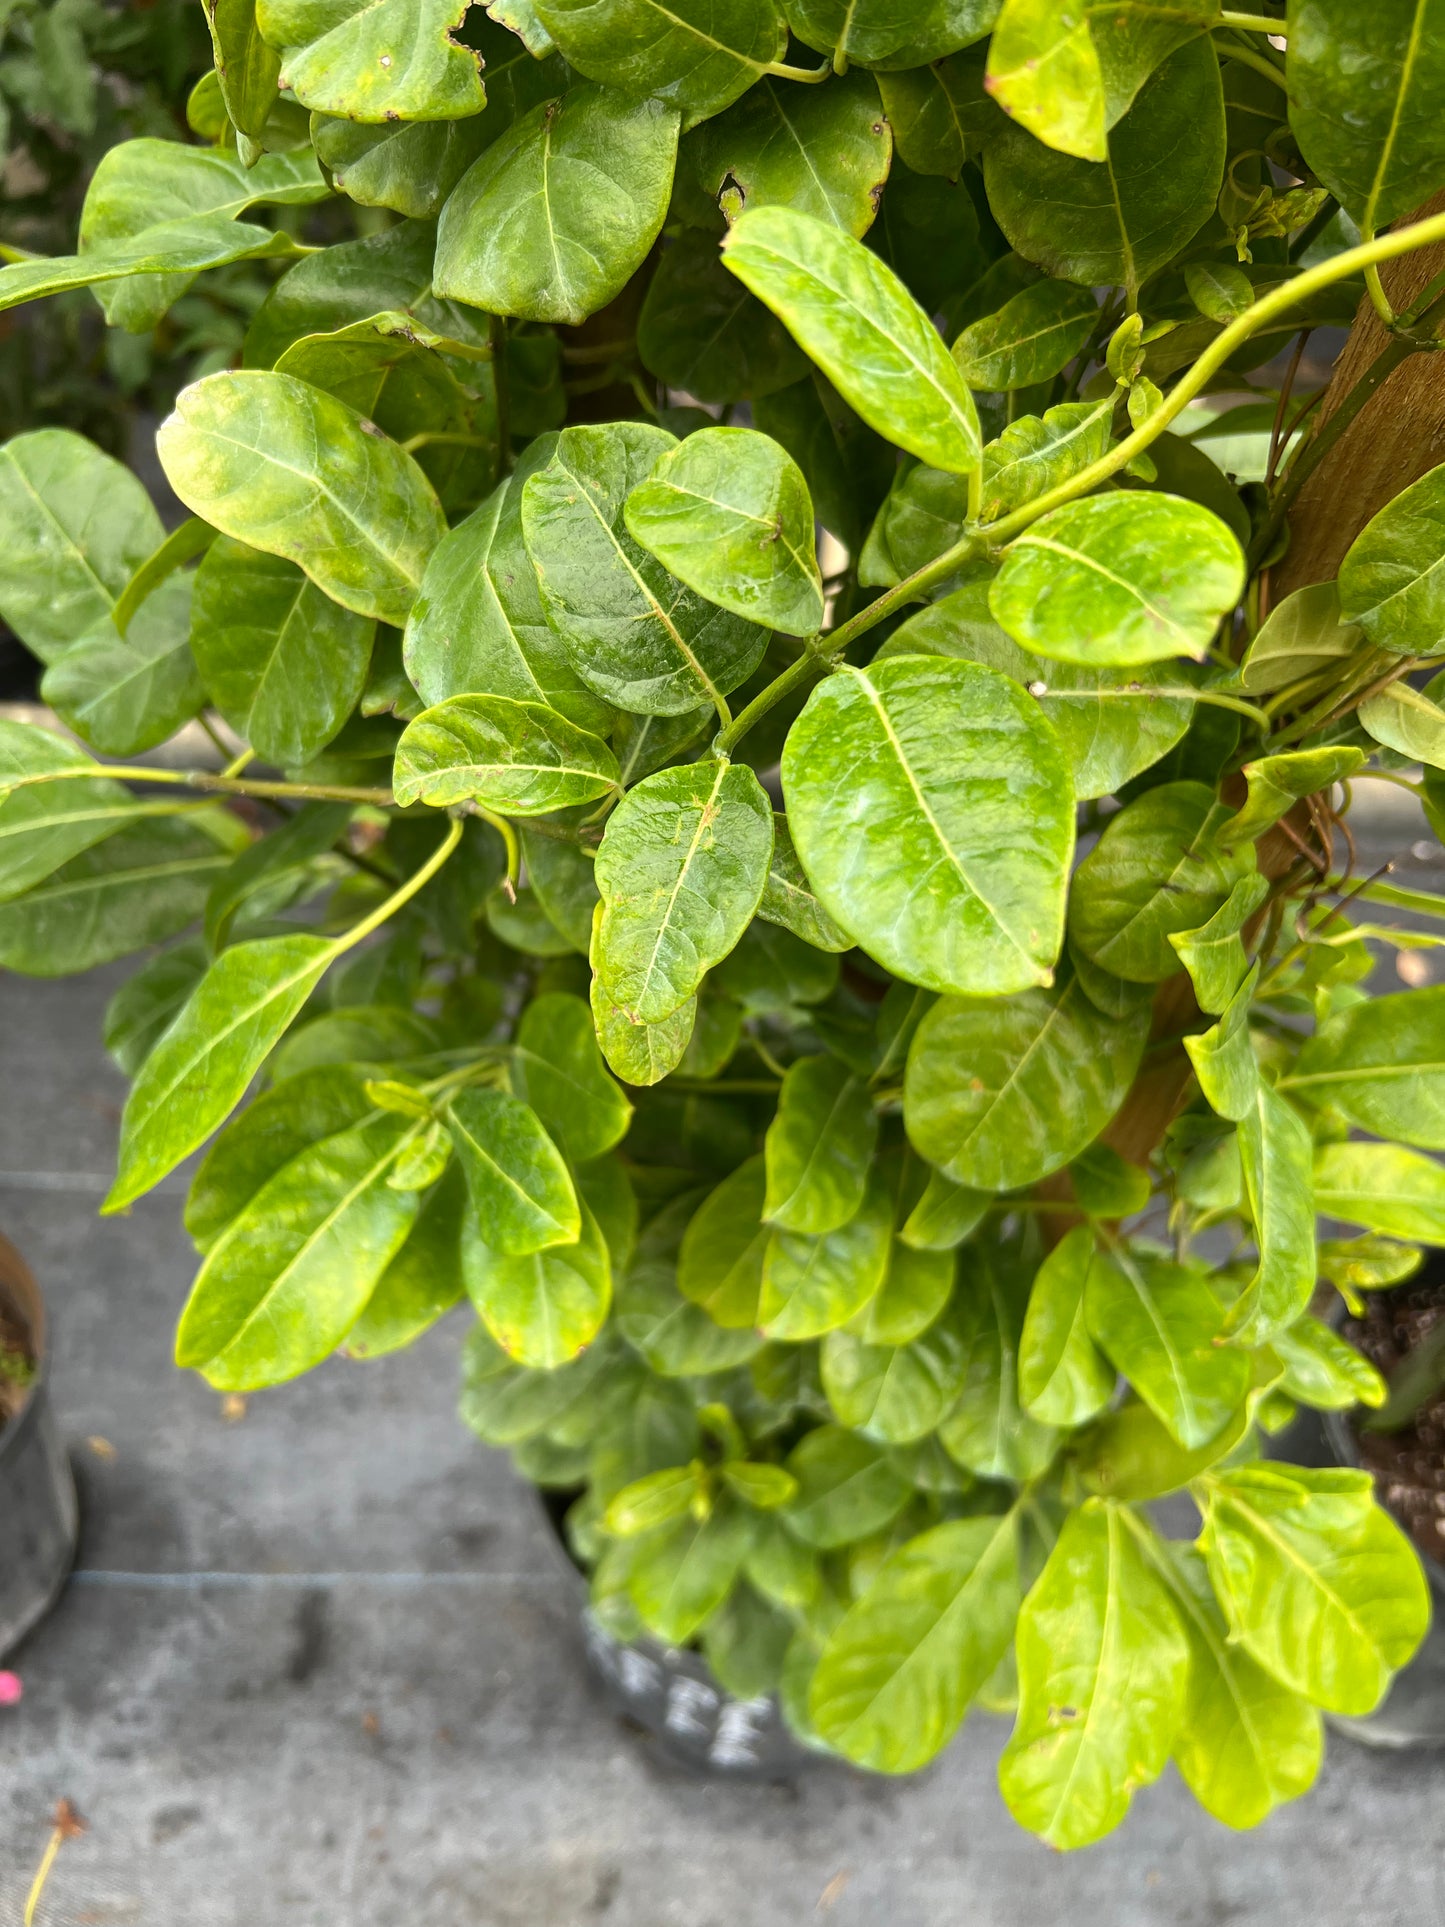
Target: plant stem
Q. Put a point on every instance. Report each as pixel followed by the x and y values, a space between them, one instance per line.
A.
pixel 793 677
pixel 1248 56
pixel 418 881
pixel 1252 23
pixel 200 779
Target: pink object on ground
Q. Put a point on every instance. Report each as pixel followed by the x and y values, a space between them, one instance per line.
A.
pixel 11 1690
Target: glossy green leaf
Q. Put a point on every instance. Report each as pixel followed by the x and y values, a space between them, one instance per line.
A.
pixel 171 250
pixel 281 1125
pixel 1392 580
pixel 1324 1370
pixel 199 1071
pixel 1158 1323
pixel 1110 723
pixel 898 1674
pixel 789 900
pixel 1383 1188
pixel 822 150
pixel 1063 1378
pixel 819 1147
pixel 520 1187
pixel 944 1215
pixel 518 757
pixel 1317 1582
pixel 505 1403
pixel 720 1264
pixel 1119 580
pixel 847 1488
pixel 636 1052
pixel 283 663
pixel 1223 1057
pixel 1364 103
pixel 1300 637
pixel 374 60
pixel 682 1574
pixel 246 68
pixel 557 215
pixel 386 273
pixel 946 769
pixel 1130 1454
pixel 1214 954
pixel 78 525
pixel 1044 71
pixel 42 824
pixel 1115 222
pixel 727 511
pixel 634 634
pixel 143 184
pixel 1103 1673
pixel 893 1393
pixel 290 1275
pixel 424 1279
pixel 1383 1064
pixel 1276 1152
pixel 812 1285
pixel 277 464
pixel 916 1286
pixel 124 694
pixel 558 1070
pixel 561 878
pixel 1246 1743
pixel 988 1431
pixel 998 1094
pixel 680 869
pixel 1107 1185
pixel 858 322
pixel 544 1306
pixel 478 624
pixel 1408 721
pixel 144 1006
pixel 1031 337
pixel 1157 869
pixel 391 370
pixel 880 33
pixel 1277 783
pixel 697 58
pixel 677 1339
pixel 939 114
pixel 134 888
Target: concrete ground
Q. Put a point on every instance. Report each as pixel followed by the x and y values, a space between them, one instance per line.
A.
pixel 316 1668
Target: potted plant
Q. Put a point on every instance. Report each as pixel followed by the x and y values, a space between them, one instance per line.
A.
pixel 869 1028
pixel 37 1492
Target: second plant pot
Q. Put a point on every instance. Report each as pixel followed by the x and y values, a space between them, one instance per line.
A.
pixel 38 1511
pixel 671 1692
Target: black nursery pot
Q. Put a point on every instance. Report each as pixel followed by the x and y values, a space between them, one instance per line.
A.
pixel 671 1693
pixel 38 1512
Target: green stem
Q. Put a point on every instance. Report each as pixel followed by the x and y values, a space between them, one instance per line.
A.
pixel 446 437
pixel 793 677
pixel 1342 701
pixel 404 895
pixel 780 70
pixel 200 779
pixel 1248 56
pixel 1378 296
pixel 1251 23
pixel 508 835
pixel 182 545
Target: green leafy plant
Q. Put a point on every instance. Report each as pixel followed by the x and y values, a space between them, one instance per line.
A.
pixel 671 934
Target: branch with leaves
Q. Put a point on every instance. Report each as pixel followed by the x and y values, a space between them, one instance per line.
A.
pixel 870 1041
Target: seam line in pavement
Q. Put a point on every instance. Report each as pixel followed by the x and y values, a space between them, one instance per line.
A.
pixel 190 1581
